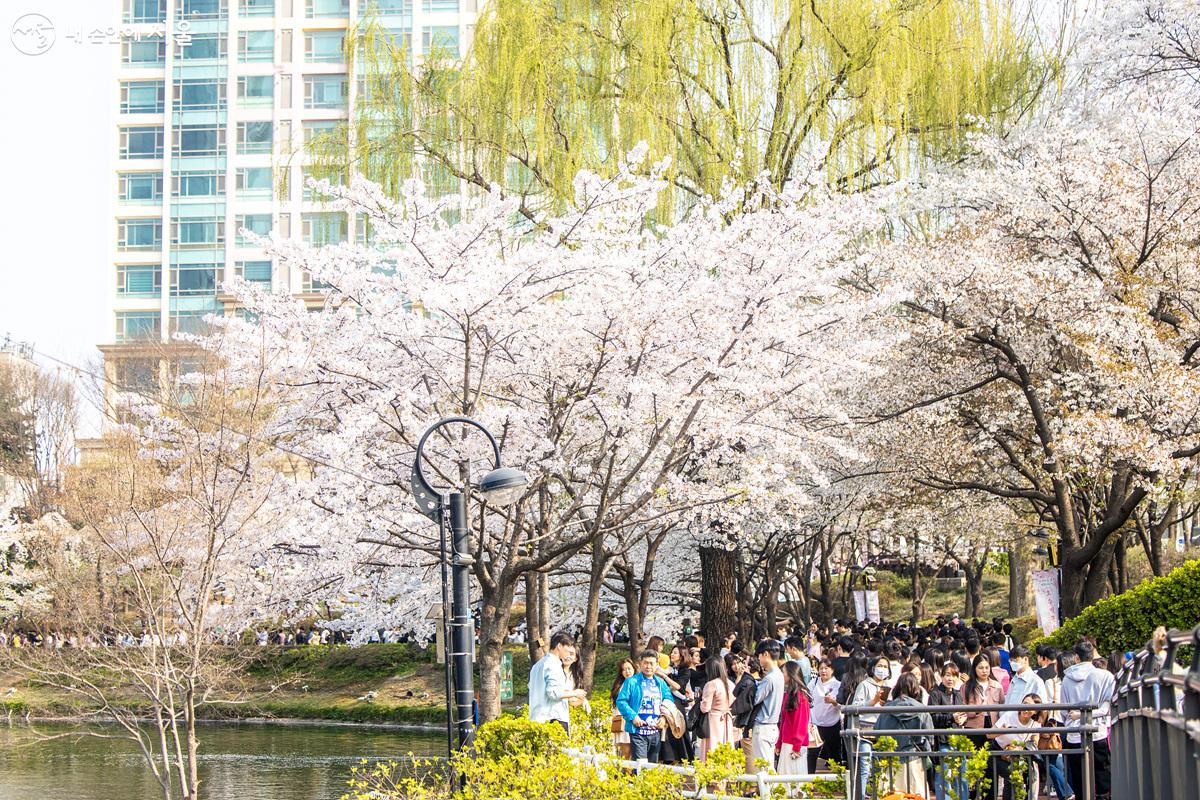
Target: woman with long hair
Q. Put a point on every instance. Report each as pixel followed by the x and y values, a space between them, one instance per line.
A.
pixel 792 746
pixel 625 670
pixel 676 750
pixel 716 700
pixel 981 689
pixel 999 673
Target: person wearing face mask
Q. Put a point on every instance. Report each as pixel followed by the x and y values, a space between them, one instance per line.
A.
pixel 871 693
pixel 1025 680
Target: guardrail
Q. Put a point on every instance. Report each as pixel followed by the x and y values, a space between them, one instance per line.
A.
pixel 763 780
pixel 1156 727
pixel 856 741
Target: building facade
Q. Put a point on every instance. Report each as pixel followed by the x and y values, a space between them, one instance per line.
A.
pixel 216 99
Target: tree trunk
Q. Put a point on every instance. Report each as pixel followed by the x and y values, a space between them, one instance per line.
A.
pixel 718 592
pixel 543 593
pixel 1018 582
pixel 633 614
pixel 494 614
pixel 533 619
pixel 918 600
pixel 591 617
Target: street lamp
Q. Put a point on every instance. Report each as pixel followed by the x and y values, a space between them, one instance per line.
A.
pixel 502 486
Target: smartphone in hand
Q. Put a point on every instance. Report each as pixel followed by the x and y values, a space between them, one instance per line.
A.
pixel 884 691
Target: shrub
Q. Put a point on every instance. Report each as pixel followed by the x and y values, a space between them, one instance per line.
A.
pixel 1126 621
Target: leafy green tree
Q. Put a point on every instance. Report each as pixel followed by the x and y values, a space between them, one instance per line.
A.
pixel 857 92
pixel 16 424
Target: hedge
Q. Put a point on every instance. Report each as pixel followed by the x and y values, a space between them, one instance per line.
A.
pixel 1126 621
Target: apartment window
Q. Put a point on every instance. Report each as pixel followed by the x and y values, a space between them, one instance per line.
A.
pixel 139 280
pixel 200 140
pixel 144 187
pixel 204 47
pixel 257 224
pixel 139 234
pixel 328 8
pixel 256 89
pixel 391 7
pixel 189 322
pixel 324 227
pixel 142 97
pixel 145 11
pixel 364 231
pixel 138 374
pixel 149 53
pixel 325 91
pixel 199 232
pixel 257 8
pixel 254 180
pixel 442 39
pixel 256 46
pixel 435 6
pixel 133 325
pixel 316 128
pixel 142 141
pixel 192 280
pixel 254 137
pixel 324 47
pixel 202 9
pixel 198 184
pixel 200 94
pixel 254 271
pixel 310 194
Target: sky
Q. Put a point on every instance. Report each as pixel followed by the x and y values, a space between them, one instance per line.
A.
pixel 56 217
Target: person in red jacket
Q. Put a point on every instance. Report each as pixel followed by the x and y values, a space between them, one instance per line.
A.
pixel 793 722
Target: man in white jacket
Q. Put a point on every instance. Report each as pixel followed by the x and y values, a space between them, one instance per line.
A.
pixel 1084 683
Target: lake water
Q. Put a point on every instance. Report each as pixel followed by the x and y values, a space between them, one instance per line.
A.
pixel 237 762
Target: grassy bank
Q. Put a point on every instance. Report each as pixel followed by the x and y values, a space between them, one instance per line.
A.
pixel 318 682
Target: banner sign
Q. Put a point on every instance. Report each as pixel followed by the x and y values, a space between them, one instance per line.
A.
pixel 506 678
pixel 1045 597
pixel 872 605
pixel 860 605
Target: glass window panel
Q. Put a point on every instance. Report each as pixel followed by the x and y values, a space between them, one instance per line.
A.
pixel 325 91
pixel 328 8
pixel 201 140
pixel 258 224
pixel 202 9
pixel 145 53
pixel 145 10
pixel 257 45
pixel 255 179
pixel 189 322
pixel 255 137
pixel 199 184
pixel 139 234
pixel 256 87
pixel 142 97
pixel 139 280
pixel 194 279
pixel 204 46
pixel 326 227
pixel 441 5
pixel 199 232
pixel 143 186
pixel 257 8
pixel 324 46
pixel 255 271
pixel 142 142
pixel 133 325
pixel 391 7
pixel 441 39
pixel 201 94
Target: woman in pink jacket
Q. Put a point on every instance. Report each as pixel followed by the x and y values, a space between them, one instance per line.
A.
pixel 793 722
pixel 715 700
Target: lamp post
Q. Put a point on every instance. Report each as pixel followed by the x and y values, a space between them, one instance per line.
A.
pixel 502 486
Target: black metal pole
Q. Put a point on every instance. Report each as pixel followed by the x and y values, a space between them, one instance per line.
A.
pixel 463 627
pixel 442 524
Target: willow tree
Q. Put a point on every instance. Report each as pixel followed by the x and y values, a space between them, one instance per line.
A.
pixel 855 91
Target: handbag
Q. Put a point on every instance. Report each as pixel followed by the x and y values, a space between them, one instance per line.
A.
pixel 618 724
pixel 697 721
pixel 1049 741
pixel 814 735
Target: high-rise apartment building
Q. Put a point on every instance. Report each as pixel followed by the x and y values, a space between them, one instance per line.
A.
pixel 216 100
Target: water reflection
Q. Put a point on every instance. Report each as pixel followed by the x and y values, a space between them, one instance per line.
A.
pixel 237 762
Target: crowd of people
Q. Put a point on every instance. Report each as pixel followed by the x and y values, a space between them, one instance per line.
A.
pixel 785 701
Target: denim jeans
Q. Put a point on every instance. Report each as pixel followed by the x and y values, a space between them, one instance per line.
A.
pixel 865 755
pixel 944 779
pixel 644 748
pixel 1056 768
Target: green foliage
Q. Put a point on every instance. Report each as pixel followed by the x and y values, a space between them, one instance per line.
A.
pixel 976 764
pixel 336 663
pixel 859 89
pixel 16 423
pixel 1126 621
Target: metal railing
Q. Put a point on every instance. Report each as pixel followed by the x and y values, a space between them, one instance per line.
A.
pixel 854 736
pixel 1156 728
pixel 763 781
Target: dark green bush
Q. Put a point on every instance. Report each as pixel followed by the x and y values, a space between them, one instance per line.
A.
pixel 1126 621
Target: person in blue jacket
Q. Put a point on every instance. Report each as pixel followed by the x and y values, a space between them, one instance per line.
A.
pixel 639 703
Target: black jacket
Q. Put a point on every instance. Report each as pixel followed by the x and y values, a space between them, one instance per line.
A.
pixel 941 696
